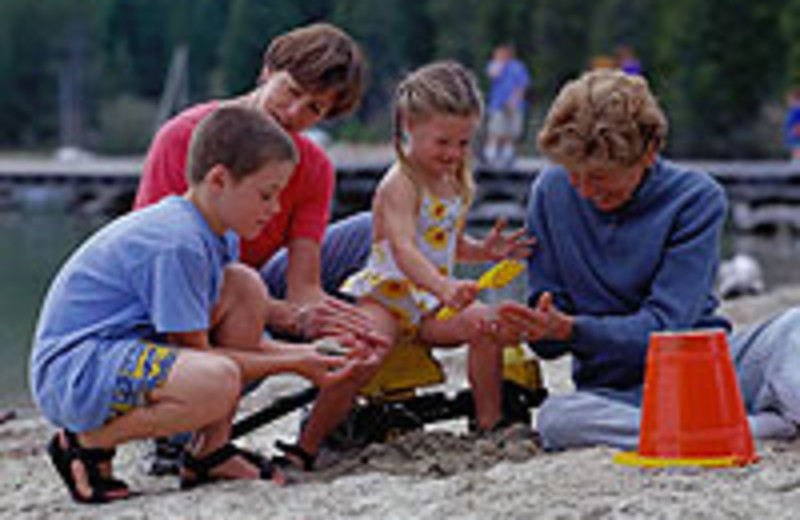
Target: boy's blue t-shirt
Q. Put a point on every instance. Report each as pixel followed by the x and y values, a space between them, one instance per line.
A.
pixel 146 274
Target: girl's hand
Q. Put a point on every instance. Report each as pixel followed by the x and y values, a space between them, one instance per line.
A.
pixel 498 246
pixel 459 293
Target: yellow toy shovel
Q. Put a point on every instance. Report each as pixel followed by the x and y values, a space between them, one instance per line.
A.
pixel 498 276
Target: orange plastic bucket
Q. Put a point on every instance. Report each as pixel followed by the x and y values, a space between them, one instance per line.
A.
pixel 692 410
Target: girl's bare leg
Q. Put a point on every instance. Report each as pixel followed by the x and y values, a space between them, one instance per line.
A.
pixel 334 402
pixel 484 358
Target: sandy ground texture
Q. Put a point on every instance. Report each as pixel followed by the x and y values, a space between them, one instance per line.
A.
pixel 441 473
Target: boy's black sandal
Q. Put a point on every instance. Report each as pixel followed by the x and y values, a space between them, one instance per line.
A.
pixel 101 455
pixel 201 467
pixel 104 489
pixel 306 459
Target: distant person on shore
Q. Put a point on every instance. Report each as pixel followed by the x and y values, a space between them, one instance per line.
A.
pixel 627 245
pixel 506 108
pixel 123 345
pixel 308 74
pixel 602 61
pixel 791 125
pixel 627 61
pixel 419 209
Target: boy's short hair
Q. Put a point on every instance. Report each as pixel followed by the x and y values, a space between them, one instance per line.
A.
pixel 240 139
pixel 321 58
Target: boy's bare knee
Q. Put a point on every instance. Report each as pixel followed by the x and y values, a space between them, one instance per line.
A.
pixel 223 385
pixel 242 278
pixel 229 377
pixel 242 285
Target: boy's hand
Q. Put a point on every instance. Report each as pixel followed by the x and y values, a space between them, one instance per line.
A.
pixel 330 360
pixel 330 347
pixel 324 370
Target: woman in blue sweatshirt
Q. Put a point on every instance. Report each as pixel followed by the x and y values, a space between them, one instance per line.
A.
pixel 627 244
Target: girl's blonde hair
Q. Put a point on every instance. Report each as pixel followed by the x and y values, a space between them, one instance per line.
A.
pixel 440 88
pixel 604 120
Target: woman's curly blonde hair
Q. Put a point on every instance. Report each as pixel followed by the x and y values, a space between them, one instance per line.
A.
pixel 606 119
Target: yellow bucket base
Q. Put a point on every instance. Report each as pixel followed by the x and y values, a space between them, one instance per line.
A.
pixel 629 458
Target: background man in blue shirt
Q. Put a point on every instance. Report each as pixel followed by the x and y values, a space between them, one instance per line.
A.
pixel 505 105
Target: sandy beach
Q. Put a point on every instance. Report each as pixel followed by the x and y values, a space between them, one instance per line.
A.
pixel 440 473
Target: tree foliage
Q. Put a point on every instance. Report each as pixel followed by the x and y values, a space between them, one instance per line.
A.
pixel 388 36
pixel 715 64
pixel 724 71
pixel 251 25
pixel 561 41
pixel 28 83
pixel 790 18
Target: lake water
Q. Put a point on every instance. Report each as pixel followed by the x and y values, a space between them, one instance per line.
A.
pixel 32 247
pixel 34 244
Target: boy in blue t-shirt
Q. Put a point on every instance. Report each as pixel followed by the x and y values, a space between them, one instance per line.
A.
pixel 123 346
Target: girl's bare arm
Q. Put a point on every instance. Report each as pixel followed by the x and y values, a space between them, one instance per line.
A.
pixel 395 206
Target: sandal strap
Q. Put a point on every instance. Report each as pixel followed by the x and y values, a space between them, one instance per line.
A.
pixel 253 457
pixel 266 469
pixel 94 455
pixel 306 459
pixel 63 456
pixel 89 457
pixel 202 466
pixel 89 454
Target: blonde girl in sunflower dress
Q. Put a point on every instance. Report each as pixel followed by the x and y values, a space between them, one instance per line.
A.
pixel 382 281
pixel 419 212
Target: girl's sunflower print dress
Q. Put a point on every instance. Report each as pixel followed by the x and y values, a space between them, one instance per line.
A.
pixel 381 279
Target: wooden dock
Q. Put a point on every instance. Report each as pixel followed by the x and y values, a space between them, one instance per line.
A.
pixel 764 195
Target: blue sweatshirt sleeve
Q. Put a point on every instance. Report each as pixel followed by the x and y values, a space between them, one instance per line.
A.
pixel 544 272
